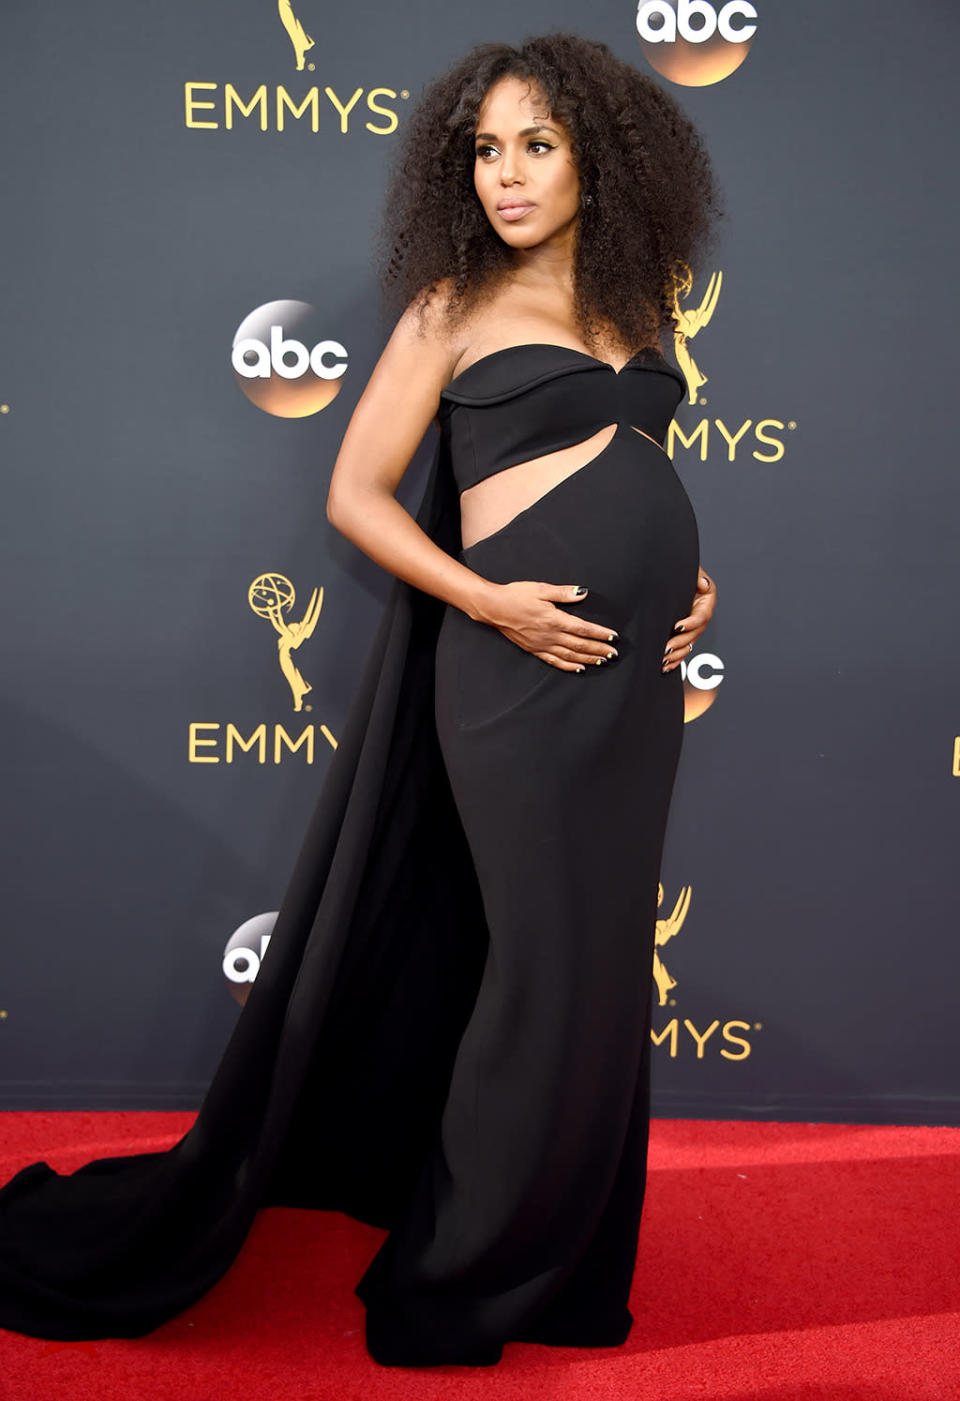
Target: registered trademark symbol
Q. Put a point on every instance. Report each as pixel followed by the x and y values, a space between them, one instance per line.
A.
pixel 308 707
pixel 758 1026
pixel 791 425
pixel 311 68
pixel 673 1002
pixel 702 401
pixel 3 1016
pixel 404 93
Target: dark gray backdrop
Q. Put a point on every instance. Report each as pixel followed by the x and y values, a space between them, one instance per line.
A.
pixel 813 822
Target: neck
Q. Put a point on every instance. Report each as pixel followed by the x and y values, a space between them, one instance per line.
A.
pixel 549 265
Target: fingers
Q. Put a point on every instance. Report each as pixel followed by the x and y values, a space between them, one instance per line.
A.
pixel 578 653
pixel 559 662
pixel 563 593
pixel 579 627
pixel 581 640
pixel 686 631
pixel 596 637
pixel 675 652
pixel 589 653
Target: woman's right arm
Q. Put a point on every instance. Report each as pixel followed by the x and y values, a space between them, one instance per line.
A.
pixel 393 413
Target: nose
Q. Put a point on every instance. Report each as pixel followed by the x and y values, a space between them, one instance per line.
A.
pixel 509 171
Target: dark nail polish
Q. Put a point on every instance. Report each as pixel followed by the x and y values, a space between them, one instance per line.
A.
pixel 679 627
pixel 580 589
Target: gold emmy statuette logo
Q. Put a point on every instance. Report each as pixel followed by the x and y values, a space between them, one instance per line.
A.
pixel 272 595
pixel 709 1035
pixel 298 36
pixel 687 322
pixel 665 930
pixel 758 438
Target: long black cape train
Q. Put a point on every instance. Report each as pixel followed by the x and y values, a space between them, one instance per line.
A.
pixel 336 1072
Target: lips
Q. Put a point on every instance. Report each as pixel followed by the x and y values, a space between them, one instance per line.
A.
pixel 514 209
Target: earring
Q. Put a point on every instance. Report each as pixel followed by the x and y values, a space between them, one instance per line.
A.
pixel 587 199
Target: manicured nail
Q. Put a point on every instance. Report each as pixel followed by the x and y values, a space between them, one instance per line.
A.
pixel 610 656
pixel 581 668
pixel 612 636
pixel 667 653
pixel 679 627
pixel 580 589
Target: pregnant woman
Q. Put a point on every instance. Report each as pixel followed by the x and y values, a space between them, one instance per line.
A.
pixel 449 1036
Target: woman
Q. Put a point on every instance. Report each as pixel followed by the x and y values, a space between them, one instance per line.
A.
pixel 449 1036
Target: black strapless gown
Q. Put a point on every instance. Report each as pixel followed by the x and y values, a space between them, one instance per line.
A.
pixel 449 1035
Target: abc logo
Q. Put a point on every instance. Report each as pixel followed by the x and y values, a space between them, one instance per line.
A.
pixel 283 363
pixel 693 42
pixel 244 953
pixel 702 674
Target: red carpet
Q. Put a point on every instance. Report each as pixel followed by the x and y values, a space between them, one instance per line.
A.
pixel 778 1262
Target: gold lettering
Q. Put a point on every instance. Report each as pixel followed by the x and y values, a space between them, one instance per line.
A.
pixel 736 1041
pixel 671 1029
pixel 381 111
pixel 774 443
pixel 232 98
pixel 956 757
pixel 191 104
pixel 344 111
pixel 312 100
pixel 700 1040
pixel 732 442
pixel 259 738
pixel 675 431
pixel 280 737
pixel 194 742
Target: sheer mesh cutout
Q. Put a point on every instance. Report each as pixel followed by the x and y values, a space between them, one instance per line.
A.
pixel 493 503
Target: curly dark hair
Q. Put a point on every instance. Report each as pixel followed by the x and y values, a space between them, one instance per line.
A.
pixel 654 196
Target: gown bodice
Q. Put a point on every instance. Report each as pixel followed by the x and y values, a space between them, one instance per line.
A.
pixel 524 401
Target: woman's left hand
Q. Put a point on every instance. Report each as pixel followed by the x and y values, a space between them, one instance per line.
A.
pixel 687 630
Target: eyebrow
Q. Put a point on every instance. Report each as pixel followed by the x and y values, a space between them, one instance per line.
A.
pixel 527 131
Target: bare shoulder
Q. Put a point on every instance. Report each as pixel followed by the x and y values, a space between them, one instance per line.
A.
pixel 402 392
pixel 424 339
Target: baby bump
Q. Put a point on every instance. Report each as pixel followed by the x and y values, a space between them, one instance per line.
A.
pixel 624 527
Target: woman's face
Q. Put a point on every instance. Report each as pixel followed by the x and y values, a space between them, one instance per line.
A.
pixel 524 172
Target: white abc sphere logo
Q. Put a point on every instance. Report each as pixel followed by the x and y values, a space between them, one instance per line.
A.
pixel 283 362
pixel 244 953
pixel 693 42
